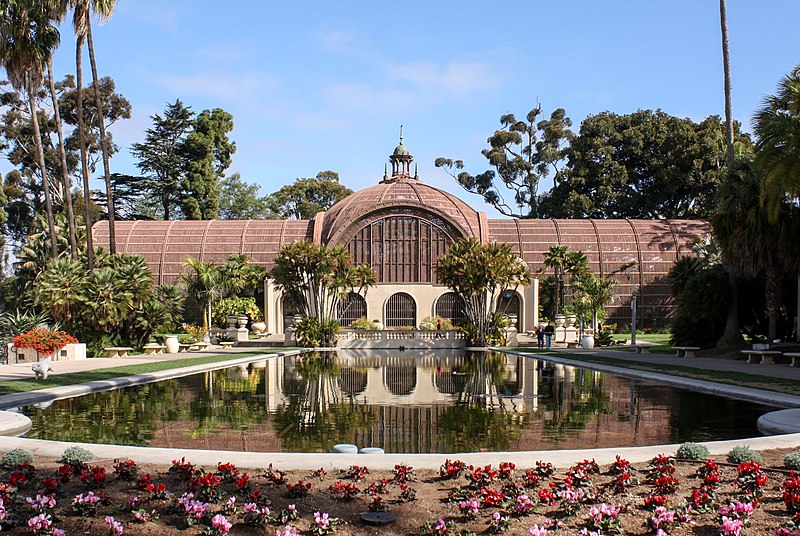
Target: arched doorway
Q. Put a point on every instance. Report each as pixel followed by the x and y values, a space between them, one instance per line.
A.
pixel 400 310
pixel 353 307
pixel 509 303
pixel 289 310
pixel 451 306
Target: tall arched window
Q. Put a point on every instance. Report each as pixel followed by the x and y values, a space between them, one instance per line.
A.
pixel 353 307
pixel 450 305
pixel 400 310
pixel 402 248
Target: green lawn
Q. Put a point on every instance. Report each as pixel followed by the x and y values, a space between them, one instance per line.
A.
pixel 58 380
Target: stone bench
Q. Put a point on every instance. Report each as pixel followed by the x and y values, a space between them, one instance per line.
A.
pixel 795 358
pixel 154 348
pixel 227 344
pixel 685 351
pixel 118 351
pixel 202 345
pixel 764 357
pixel 186 347
pixel 573 344
pixel 644 347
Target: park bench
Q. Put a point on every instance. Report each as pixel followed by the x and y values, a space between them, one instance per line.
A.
pixel 186 347
pixel 118 351
pixel 153 348
pixel 764 357
pixel 685 351
pixel 795 358
pixel 202 345
pixel 644 347
pixel 573 344
pixel 227 344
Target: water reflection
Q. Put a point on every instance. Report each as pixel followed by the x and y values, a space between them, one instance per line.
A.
pixel 414 401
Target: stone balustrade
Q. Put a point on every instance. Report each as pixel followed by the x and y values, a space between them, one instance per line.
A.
pixel 409 339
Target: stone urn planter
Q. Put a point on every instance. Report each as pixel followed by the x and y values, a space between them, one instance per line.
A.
pixel 259 327
pixel 242 321
pixel 587 342
pixel 571 319
pixel 171 342
pixel 560 320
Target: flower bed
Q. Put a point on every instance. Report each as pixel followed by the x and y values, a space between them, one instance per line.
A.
pixel 43 340
pixel 665 497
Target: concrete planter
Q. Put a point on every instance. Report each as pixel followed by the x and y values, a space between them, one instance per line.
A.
pixel 171 342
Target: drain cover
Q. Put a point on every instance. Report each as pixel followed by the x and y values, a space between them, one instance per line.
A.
pixel 377 518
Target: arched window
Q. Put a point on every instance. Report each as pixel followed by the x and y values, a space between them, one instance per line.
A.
pixel 509 304
pixel 450 305
pixel 402 248
pixel 400 310
pixel 353 307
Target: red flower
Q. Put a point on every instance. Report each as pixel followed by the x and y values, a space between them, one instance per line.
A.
pixel 43 340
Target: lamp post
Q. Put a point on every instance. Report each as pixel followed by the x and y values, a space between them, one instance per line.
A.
pixel 633 319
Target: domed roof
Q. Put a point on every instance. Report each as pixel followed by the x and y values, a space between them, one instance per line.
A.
pixel 399 196
pixel 401 150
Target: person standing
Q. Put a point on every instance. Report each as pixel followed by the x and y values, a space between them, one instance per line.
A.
pixel 540 337
pixel 549 331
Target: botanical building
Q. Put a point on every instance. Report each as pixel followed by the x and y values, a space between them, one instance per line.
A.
pixel 401 226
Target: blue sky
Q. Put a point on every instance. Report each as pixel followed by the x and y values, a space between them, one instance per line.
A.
pixel 326 85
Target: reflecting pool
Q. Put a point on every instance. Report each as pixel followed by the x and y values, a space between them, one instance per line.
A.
pixel 413 401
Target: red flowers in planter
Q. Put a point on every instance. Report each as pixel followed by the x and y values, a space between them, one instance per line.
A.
pixel 44 340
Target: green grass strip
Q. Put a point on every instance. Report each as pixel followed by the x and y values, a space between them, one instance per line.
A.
pixel 71 378
pixel 781 385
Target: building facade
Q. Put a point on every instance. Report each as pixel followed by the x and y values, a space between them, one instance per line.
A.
pixel 401 226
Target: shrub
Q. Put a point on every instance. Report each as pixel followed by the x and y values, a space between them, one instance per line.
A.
pixel 743 453
pixel 76 455
pixel 44 340
pixel 15 457
pixel 792 461
pixel 430 322
pixel 363 324
pixel 692 451
pixel 186 339
pixel 236 307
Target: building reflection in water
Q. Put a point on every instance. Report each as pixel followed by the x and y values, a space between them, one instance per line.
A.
pixel 413 401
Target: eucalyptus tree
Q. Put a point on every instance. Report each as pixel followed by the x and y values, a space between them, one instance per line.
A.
pixel 316 278
pixel 28 39
pixel 522 153
pixel 479 274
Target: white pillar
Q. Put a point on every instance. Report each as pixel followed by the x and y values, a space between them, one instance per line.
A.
pixel 270 309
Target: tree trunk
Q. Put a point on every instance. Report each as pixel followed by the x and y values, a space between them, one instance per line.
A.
pixel 726 64
pixel 73 239
pixel 37 137
pixel 773 298
pixel 732 336
pixel 87 196
pixel 112 238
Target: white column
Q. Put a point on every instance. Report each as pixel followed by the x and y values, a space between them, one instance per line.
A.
pixel 270 309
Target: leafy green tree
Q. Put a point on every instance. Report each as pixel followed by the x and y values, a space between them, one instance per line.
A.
pixel 479 274
pixel 207 152
pixel 160 158
pixel 28 39
pixel 564 262
pixel 240 200
pixel 641 165
pixel 777 127
pixel 701 291
pixel 316 278
pixel 242 277
pixel 751 241
pixel 302 199
pixel 522 153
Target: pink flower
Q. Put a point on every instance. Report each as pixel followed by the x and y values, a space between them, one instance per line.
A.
pixel 536 530
pixel 114 526
pixel 730 527
pixel 288 530
pixel 221 524
pixel 39 523
pixel 321 520
pixel 59 532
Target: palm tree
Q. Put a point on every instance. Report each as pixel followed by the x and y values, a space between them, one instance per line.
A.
pixel 777 125
pixel 103 9
pixel 28 39
pixel 594 292
pixel 79 20
pixel 726 65
pixel 205 283
pixel 750 240
pixel 556 258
